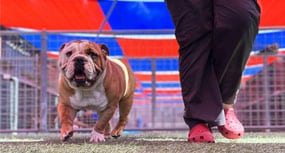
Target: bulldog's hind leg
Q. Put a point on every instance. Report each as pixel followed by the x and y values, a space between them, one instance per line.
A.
pixel 124 110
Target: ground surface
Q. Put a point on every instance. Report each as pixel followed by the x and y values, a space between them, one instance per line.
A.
pixel 142 142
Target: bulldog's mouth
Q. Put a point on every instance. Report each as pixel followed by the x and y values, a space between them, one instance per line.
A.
pixel 80 79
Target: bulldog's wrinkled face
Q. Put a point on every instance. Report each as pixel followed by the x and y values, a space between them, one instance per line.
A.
pixel 81 62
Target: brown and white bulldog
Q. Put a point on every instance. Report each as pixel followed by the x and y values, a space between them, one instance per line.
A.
pixel 89 79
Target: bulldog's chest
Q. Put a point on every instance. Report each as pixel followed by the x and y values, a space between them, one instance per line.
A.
pixel 91 99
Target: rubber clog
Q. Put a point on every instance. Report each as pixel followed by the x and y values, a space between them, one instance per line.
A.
pixel 233 129
pixel 200 133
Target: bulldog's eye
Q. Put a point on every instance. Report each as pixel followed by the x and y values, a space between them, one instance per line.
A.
pixel 92 55
pixel 68 54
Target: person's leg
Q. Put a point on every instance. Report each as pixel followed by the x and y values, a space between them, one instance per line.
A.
pixel 193 20
pixel 236 25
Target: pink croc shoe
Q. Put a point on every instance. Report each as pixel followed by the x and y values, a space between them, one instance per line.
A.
pixel 233 129
pixel 200 133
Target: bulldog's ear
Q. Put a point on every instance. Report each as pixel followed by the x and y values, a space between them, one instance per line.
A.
pixel 62 46
pixel 104 49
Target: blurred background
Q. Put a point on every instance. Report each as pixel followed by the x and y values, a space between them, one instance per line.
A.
pixel 142 34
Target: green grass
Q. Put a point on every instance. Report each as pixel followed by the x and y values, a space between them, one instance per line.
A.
pixel 146 142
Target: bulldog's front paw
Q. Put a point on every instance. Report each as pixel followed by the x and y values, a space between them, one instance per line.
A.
pixel 97 137
pixel 117 132
pixel 66 135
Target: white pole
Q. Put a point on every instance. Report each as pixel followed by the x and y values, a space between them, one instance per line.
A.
pixel 16 107
pixel 12 106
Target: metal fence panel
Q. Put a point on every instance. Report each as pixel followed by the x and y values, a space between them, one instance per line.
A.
pixel 20 79
pixel 261 100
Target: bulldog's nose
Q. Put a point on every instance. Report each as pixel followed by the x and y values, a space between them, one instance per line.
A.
pixel 79 60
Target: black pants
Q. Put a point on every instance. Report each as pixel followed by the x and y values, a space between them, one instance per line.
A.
pixel 215 39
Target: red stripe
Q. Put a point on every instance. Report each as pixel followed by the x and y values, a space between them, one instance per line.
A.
pixel 149 48
pixel 52 14
pixel 257 60
pixel 159 77
pixel 272 13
